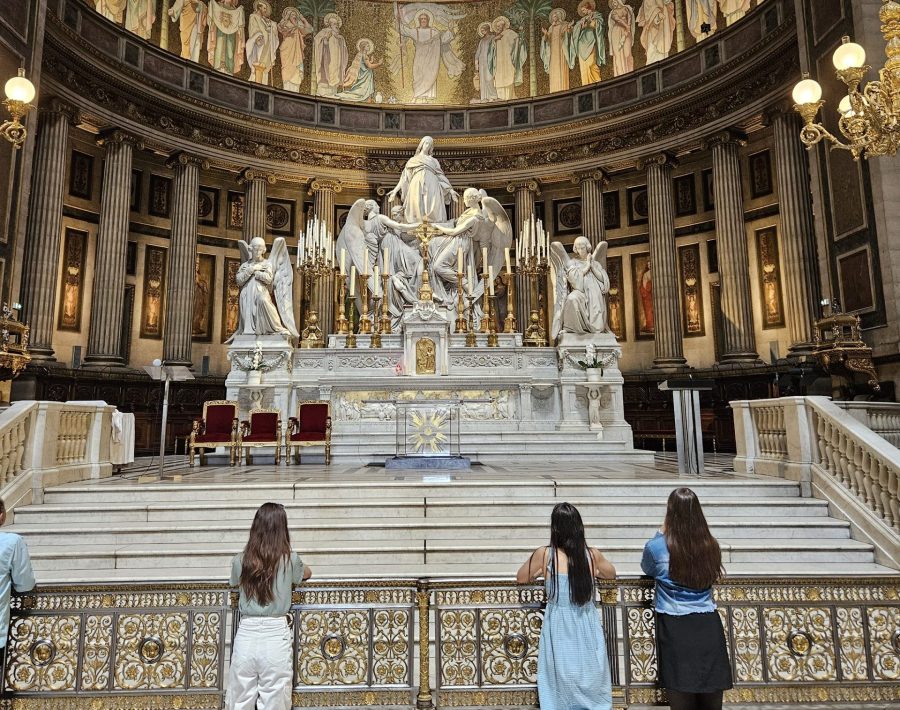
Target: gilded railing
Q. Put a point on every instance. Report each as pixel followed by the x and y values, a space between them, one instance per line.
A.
pixel 367 643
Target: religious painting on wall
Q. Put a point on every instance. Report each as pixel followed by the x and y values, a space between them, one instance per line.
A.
pixel 341 212
pixel 235 210
pixel 154 292
pixel 611 215
pixel 709 197
pixel 134 204
pixel 855 277
pixel 638 208
pixel 230 298
pixel 760 174
pixel 81 175
pixel 567 216
pixel 642 280
pixel 280 216
pixel 692 323
pixel 769 267
pixel 131 259
pixel 160 196
pixel 205 279
pixel 208 206
pixel 72 277
pixel 685 195
pixel 616 300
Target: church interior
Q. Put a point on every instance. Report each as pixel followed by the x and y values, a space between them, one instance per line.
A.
pixel 419 271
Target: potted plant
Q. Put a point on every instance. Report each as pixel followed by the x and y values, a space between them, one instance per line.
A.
pixel 593 368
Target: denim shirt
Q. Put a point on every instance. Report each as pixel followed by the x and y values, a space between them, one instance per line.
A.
pixel 671 597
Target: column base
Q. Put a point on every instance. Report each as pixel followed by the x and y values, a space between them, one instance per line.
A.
pixel 182 363
pixel 745 358
pixel 801 350
pixel 670 364
pixel 100 362
pixel 41 354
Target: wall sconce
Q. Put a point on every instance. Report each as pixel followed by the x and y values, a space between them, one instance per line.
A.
pixel 19 93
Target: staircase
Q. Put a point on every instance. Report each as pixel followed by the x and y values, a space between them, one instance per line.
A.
pixel 353 521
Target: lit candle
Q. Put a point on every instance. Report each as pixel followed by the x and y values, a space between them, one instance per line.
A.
pixel 508 264
pixel 484 261
pixel 377 283
pixel 471 279
pixel 387 260
pixel 459 261
pixel 491 279
pixel 343 260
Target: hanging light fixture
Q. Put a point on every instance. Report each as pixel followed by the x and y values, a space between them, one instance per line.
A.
pixel 869 115
pixel 19 94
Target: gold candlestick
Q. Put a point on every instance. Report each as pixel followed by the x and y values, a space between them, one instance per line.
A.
pixel 385 314
pixel 375 341
pixel 486 307
pixel 492 340
pixel 535 334
pixel 311 336
pixel 351 336
pixel 343 327
pixel 510 321
pixel 461 306
pixel 470 333
pixel 365 323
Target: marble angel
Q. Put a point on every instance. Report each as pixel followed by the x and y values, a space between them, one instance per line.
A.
pixel 581 287
pixel 265 303
pixel 484 224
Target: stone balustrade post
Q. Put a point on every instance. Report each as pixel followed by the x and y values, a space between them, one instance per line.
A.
pixel 178 326
pixel 43 235
pixel 255 187
pixel 734 262
pixel 105 334
pixel 592 184
pixel 666 309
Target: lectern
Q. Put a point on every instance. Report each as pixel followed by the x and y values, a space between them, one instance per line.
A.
pixel 688 433
pixel 166 374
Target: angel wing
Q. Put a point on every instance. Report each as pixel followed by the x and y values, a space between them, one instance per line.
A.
pixel 244 249
pixel 283 284
pixel 599 254
pixel 559 260
pixel 352 238
pixel 494 232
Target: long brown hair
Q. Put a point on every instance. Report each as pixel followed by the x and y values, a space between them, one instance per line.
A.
pixel 567 534
pixel 268 548
pixel 695 559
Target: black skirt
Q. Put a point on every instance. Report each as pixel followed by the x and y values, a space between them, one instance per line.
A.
pixel 693 657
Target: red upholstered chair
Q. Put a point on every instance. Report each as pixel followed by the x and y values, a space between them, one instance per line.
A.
pixel 218 427
pixel 311 427
pixel 262 430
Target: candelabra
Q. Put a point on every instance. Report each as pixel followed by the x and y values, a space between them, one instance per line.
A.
pixel 343 325
pixel 470 332
pixel 461 326
pixel 375 342
pixel 535 271
pixel 869 118
pixel 385 314
pixel 510 322
pixel 492 340
pixel 365 322
pixel 486 304
pixel 350 341
pixel 314 271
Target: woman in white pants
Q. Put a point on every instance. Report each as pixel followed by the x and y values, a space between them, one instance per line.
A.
pixel 265 572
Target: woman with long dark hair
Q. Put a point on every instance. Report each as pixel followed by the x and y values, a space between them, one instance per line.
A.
pixel 685 560
pixel 265 572
pixel 573 668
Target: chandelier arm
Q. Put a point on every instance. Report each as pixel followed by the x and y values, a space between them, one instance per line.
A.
pixel 813 133
pixel 14 132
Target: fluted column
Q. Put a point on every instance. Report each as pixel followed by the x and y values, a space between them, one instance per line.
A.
pixel 525 192
pixel 384 203
pixel 592 184
pixel 178 326
pixel 105 334
pixel 323 192
pixel 44 230
pixel 666 310
pixel 797 233
pixel 731 234
pixel 255 185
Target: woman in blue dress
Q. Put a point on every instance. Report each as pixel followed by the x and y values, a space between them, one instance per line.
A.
pixel 573 668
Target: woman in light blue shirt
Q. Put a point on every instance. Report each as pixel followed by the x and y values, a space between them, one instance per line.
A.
pixel 685 560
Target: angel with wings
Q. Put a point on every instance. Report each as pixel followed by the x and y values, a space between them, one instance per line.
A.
pixel 266 287
pixel 581 287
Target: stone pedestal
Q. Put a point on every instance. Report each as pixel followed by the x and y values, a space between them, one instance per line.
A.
pixel 261 372
pixel 426 341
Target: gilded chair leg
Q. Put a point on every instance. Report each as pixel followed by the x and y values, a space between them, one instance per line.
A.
pixel 231 456
pixel 191 457
pixel 277 455
pixel 327 454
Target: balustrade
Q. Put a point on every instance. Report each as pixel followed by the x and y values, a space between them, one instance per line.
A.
pixel 72 440
pixel 13 439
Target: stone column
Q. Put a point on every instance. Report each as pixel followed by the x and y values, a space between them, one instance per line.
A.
pixel 105 334
pixel 178 326
pixel 666 305
pixel 255 184
pixel 525 191
pixel 592 184
pixel 383 202
pixel 43 234
pixel 798 239
pixel 731 234
pixel 323 192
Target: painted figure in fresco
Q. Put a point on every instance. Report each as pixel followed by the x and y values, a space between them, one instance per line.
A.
pixel 510 53
pixel 293 29
pixel 657 20
pixel 485 61
pixel 645 289
pixel 192 17
pixel 359 83
pixel 200 319
pixel 225 44
pixel 556 50
pixel 432 47
pixel 330 56
pixel 734 10
pixel 112 9
pixel 423 188
pixel 701 18
pixel 621 36
pixel 262 43
pixel 589 42
pixel 140 16
pixel 266 289
pixel 581 287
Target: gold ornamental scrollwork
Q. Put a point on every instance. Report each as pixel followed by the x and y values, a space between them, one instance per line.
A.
pixel 150 651
pixel 509 645
pixel 42 653
pixel 333 648
pixel 800 644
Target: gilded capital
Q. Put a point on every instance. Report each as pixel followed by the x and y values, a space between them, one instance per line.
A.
pixel 62 107
pixel 183 159
pixel 531 185
pixel 729 136
pixel 662 160
pixel 324 185
pixel 599 175
pixel 249 175
pixel 116 136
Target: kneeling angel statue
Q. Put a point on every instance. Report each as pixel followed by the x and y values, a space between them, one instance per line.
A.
pixel 581 287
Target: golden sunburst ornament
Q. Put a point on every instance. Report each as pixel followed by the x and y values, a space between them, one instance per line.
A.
pixel 428 432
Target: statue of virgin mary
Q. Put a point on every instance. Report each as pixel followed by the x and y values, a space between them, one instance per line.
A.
pixel 424 189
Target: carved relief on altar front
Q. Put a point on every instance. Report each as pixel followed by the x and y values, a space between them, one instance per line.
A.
pixel 379 405
pixel 426 357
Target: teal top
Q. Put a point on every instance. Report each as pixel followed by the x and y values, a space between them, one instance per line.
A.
pixel 283 584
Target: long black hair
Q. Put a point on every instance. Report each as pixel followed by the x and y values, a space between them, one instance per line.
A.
pixel 695 558
pixel 567 534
